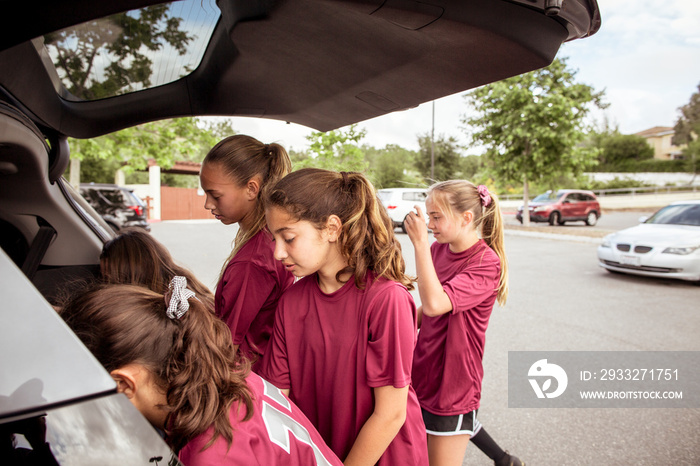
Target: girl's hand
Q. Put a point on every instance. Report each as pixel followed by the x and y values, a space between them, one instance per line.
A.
pixel 416 227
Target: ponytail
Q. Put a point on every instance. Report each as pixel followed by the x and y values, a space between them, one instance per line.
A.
pixel 458 196
pixel 243 158
pixel 492 232
pixel 190 353
pixel 367 239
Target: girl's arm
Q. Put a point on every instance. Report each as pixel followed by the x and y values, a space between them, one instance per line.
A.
pixel 382 426
pixel 434 300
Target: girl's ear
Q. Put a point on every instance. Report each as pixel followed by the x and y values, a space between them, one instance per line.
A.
pixel 333 228
pixel 126 381
pixel 468 217
pixel 253 188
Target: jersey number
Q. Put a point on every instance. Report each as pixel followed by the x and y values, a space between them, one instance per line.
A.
pixel 279 425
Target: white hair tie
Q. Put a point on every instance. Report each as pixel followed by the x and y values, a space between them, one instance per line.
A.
pixel 179 294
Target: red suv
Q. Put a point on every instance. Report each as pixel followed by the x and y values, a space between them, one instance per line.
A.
pixel 565 205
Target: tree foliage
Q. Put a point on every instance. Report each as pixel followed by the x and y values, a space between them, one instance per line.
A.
pixel 531 125
pixel 124 38
pixel 687 131
pixel 391 167
pixel 165 141
pixel 335 150
pixel 619 149
pixel 447 158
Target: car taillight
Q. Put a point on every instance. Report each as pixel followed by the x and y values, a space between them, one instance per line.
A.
pixel 138 209
pixel 391 207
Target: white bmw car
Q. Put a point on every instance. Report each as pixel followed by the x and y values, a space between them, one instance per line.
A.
pixel 666 245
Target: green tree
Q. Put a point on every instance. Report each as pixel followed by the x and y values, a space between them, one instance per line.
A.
pixel 335 150
pixel 532 125
pixel 687 131
pixel 391 166
pixel 620 149
pixel 165 141
pixel 447 161
pixel 124 38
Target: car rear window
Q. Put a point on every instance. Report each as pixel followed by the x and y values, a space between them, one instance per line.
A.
pixel 130 51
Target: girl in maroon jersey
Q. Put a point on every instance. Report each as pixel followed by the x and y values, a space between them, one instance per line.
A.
pixel 233 175
pixel 176 363
pixel 460 277
pixel 344 334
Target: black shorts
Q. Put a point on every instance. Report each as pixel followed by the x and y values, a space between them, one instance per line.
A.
pixel 459 424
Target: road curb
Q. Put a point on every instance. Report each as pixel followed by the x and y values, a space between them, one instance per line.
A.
pixel 555 236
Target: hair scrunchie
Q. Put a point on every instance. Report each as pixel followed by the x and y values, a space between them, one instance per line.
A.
pixel 179 294
pixel 484 195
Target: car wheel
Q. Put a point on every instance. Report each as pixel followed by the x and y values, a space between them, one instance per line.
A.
pixel 554 218
pixel 403 224
pixel 591 219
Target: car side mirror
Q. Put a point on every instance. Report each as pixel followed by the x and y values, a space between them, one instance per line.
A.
pixel 643 219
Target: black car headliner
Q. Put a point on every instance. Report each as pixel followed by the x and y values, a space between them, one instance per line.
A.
pixel 319 63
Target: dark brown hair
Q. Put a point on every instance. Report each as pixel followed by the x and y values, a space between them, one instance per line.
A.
pixel 192 358
pixel 135 257
pixel 455 197
pixel 367 239
pixel 242 158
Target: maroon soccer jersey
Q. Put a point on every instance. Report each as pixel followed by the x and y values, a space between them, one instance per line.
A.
pixel 278 433
pixel 447 369
pixel 246 296
pixel 331 350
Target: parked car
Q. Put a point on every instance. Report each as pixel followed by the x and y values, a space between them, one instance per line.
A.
pixel 667 244
pixel 320 63
pixel 119 206
pixel 565 205
pixel 398 202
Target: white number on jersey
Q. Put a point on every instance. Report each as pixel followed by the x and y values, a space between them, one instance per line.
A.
pixel 279 424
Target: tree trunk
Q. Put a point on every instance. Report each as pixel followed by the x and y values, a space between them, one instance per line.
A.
pixel 526 202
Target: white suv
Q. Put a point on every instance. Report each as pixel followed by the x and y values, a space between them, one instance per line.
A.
pixel 400 201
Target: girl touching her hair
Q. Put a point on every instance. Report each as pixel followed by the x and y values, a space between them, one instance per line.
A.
pixel 460 278
pixel 344 334
pixel 174 360
pixel 233 175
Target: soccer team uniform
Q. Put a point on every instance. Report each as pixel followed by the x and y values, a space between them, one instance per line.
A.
pixel 278 433
pixel 447 365
pixel 331 350
pixel 246 296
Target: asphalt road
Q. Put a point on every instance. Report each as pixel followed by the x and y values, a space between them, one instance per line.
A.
pixel 560 300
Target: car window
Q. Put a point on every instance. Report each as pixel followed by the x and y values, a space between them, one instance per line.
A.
pixel 171 55
pixel 416 196
pixel 114 197
pixel 677 215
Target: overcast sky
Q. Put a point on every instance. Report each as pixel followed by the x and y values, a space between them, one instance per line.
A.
pixel 646 56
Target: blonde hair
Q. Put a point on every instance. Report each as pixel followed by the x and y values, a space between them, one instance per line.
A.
pixel 367 240
pixel 455 197
pixel 242 158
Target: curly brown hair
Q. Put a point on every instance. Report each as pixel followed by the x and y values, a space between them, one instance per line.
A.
pixel 367 240
pixel 192 359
